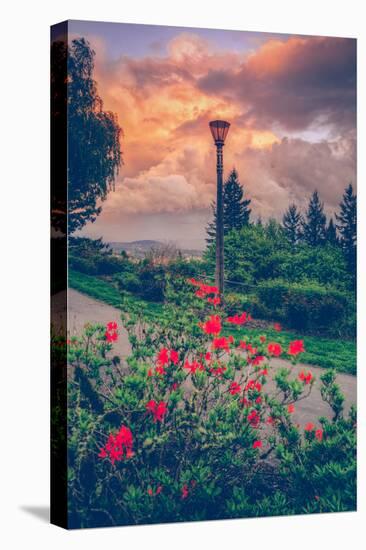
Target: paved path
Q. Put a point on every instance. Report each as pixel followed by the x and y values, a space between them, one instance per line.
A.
pixel 83 309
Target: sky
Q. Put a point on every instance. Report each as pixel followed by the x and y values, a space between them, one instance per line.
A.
pixel 290 100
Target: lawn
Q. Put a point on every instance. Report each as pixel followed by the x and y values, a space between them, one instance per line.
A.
pixel 105 291
pixel 322 352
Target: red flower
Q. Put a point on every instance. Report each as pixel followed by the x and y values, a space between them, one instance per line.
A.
pixel 212 326
pixel 218 371
pixel 111 336
pixel 274 349
pixel 234 388
pixel 277 327
pixel 222 343
pixel 112 325
pixel 257 444
pixel 215 301
pixel 203 289
pixel 208 356
pixel 309 427
pixel 291 408
pixel 257 360
pixel 254 418
pixel 296 347
pixel 306 377
pixel 118 445
pixel 319 434
pixel 185 491
pixel 251 350
pixel 262 339
pixel 253 385
pixel 239 319
pixel 158 410
pixel 151 493
pixel 270 420
pixel 163 357
pixel 193 367
pixel 174 357
pixel 151 406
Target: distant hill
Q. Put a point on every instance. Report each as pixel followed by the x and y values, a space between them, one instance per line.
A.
pixel 139 248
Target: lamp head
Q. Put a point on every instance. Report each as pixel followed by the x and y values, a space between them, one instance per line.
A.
pixel 219 130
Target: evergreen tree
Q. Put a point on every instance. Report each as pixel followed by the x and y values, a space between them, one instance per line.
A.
pixel 314 225
pixel 292 224
pixel 236 211
pixel 331 233
pixel 347 220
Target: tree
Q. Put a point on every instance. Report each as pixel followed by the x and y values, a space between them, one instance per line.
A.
pixel 314 225
pixel 347 222
pixel 93 135
pixel 292 224
pixel 236 208
pixel 331 233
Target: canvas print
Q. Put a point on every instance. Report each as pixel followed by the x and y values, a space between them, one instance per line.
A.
pixel 203 245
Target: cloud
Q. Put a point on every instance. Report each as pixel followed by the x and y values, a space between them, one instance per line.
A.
pixel 293 83
pixel 291 169
pixel 164 105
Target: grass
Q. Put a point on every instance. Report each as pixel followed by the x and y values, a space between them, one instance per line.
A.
pixel 322 352
pixel 106 292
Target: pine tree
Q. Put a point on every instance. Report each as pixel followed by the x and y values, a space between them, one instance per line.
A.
pixel 347 220
pixel 236 211
pixel 314 225
pixel 292 224
pixel 331 233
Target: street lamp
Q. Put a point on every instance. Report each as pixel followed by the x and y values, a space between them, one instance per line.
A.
pixel 219 130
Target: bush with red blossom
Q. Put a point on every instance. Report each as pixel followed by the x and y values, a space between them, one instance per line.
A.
pixel 185 428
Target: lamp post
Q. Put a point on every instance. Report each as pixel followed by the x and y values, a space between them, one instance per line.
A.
pixel 219 130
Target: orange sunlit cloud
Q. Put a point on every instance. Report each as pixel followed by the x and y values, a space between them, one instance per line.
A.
pixel 164 104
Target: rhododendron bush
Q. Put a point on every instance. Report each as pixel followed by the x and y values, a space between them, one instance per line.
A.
pixel 184 428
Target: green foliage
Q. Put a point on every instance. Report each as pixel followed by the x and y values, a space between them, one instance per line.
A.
pixel 197 462
pixel 307 306
pixel 331 236
pixel 93 134
pixel 292 224
pixel 314 224
pixel 94 257
pixel 236 211
pixel 347 227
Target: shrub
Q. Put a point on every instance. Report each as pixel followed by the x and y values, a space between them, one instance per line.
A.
pixel 308 306
pixel 107 264
pixel 240 302
pixel 84 265
pixel 185 429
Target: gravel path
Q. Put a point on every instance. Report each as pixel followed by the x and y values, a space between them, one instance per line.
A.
pixel 83 309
